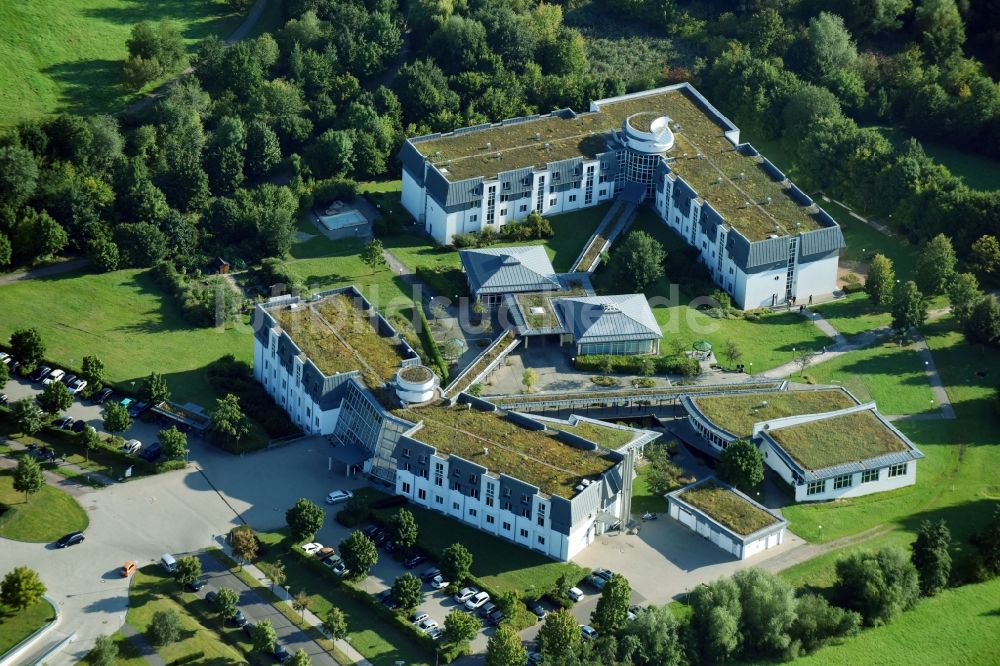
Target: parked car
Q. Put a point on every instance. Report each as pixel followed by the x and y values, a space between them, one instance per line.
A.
pixel 370 530
pixel 151 453
pixel 390 602
pixel 280 654
pixel 574 593
pixel 429 574
pixel 70 539
pixel 599 578
pixel 77 386
pixel 102 396
pixel 427 624
pixel 79 425
pixel 340 569
pixel 338 496
pixel 588 632
pixel 68 379
pixel 414 560
pixel 3 399
pixel 436 633
pixel 390 546
pixel 4 358
pixel 496 617
pixel 486 609
pixel 132 446
pixel 137 409
pixel 325 553
pixel 465 594
pixel 418 617
pixel 439 583
pixel 332 561
pixel 238 618
pixel 311 548
pixel 634 611
pixel 126 402
pixel 127 569
pixel 41 373
pixel 65 423
pixel 211 597
pixel 54 377
pixel 534 658
pixel 476 600
pixel 195 585
pixel 537 608
pixel 380 538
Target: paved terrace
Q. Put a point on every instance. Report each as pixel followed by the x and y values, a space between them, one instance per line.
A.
pixel 725 178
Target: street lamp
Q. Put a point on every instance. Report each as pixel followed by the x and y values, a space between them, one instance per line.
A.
pixel 751 368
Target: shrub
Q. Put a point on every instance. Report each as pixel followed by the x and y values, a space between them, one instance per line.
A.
pixel 196 300
pixel 227 375
pixel 604 380
pixel 637 365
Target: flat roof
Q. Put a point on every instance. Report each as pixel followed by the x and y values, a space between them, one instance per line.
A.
pixel 836 440
pixel 602 435
pixel 739 413
pixel 727 508
pixel 536 306
pixel 338 337
pixel 727 179
pixel 533 456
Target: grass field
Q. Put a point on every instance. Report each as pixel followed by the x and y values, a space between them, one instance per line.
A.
pixel 67 56
pixel 15 626
pixel 151 592
pixel 46 516
pixel 978 172
pixel 854 314
pixel 128 655
pixel 125 319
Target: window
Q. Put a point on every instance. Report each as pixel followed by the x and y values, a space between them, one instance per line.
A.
pixel 869 476
pixel 406 487
pixel 506 492
pixel 406 467
pixel 523 208
pixel 572 198
pixel 491 491
pixel 472 512
pixel 604 190
pixel 490 520
pixel 897 470
pixel 816 487
pixel 422 494
pixel 438 474
pixel 455 506
pixel 422 459
pixel 526 512
pixel 541 515
pixel 503 211
pixel 552 201
pixel 475 493
pixel 406 453
pixel 524 533
pixel 439 499
pixel 473 217
pixel 541 540
pixel 525 499
pixel 842 481
pixel 506 526
pixel 506 506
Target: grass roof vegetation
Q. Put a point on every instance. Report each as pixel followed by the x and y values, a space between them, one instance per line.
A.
pixel 601 435
pixel 728 508
pixel 338 337
pixel 837 440
pixel 628 393
pixel 543 300
pixel 739 413
pixel 533 456
pixel 725 178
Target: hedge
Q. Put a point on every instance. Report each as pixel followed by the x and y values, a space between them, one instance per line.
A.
pixel 636 365
pixel 430 345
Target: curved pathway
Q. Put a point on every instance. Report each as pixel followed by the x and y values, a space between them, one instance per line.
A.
pixel 44 271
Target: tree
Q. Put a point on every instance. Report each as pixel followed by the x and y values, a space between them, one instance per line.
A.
pixel 460 627
pixel 244 543
pixel 935 265
pixel 18 176
pixel 332 153
pixel 276 574
pixel 103 254
pixel 6 251
pixel 4 375
pixel 300 658
pixel 656 633
pixel 174 443
pixel 505 649
pixel 909 309
pixel 456 563
pixel 93 371
pixel 929 554
pixel 28 416
pixel 264 636
pixel 715 620
pixel 21 588
pixel 104 653
pixel 637 262
pixel 879 585
pixel 964 294
pixel 301 602
pixel 406 591
pixel 984 321
pixel 741 465
pixel 942 27
pixel 881 280
pixel 612 608
pixel 228 420
pixel 154 389
pixel 116 418
pixel 188 569
pixel 335 624
pixel 731 352
pixel 403 527
pixel 987 543
pixel 91 441
pixel 28 478
pixel 55 397
pixel 529 378
pixel 304 519
pixel 985 255
pixel 359 554
pixel 374 255
pixel 817 622
pixel 768 611
pixel 830 46
pixel 263 149
pixel 559 635
pixel 27 347
pixel 227 600
pixel 805 107
pixel 164 628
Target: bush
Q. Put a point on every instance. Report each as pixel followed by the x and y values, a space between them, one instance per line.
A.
pixel 636 365
pixel 604 380
pixel 227 375
pixel 853 287
pixel 197 301
pixel 443 281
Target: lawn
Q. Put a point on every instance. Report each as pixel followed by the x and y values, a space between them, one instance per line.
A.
pixel 959 626
pixel 15 626
pixel 379 640
pixel 891 375
pixel 128 655
pixel 47 515
pixel 64 56
pixel 643 499
pixel 854 314
pixel 151 591
pixel 128 322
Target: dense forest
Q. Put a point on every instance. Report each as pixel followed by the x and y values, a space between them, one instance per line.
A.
pixel 224 161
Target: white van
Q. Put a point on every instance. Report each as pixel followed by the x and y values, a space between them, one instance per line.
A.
pixel 168 562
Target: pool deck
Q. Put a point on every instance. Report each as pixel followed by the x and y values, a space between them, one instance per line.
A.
pixel 363 231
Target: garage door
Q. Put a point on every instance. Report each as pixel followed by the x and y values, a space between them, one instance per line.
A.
pixel 686 518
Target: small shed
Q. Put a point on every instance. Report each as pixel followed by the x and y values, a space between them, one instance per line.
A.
pixel 219 266
pixel 726 517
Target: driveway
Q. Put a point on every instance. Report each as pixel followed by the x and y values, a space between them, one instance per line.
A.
pixel 256 609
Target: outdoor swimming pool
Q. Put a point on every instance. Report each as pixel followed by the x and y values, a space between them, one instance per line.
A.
pixel 350 218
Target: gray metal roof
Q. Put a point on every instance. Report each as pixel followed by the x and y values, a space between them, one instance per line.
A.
pixel 821 241
pixel 608 318
pixel 505 270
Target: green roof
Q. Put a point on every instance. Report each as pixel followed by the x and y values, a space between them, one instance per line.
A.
pixel 533 456
pixel 839 439
pixel 339 337
pixel 725 178
pixel 728 508
pixel 739 413
pixel 543 300
pixel 601 435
